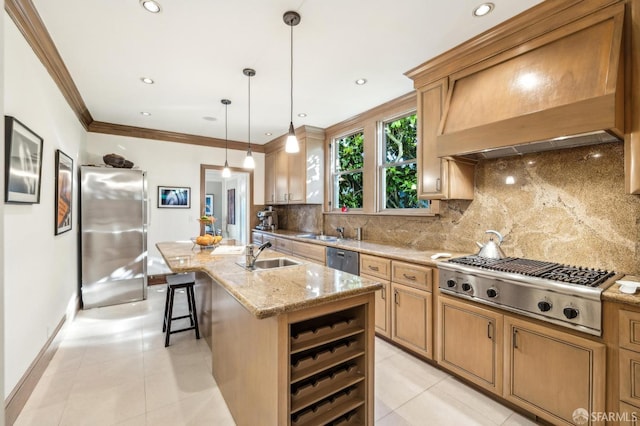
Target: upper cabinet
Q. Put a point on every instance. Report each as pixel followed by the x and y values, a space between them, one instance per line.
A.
pixel 296 178
pixel 438 178
pixel 564 73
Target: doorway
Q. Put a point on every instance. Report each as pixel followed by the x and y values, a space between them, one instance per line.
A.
pixel 228 200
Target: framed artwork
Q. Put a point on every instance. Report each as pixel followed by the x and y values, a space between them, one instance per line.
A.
pixel 23 163
pixel 231 206
pixel 208 205
pixel 174 197
pixel 64 191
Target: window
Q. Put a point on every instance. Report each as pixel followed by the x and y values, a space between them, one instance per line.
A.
pixel 348 161
pixel 398 168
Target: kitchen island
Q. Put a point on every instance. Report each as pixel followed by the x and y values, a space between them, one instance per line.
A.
pixel 290 345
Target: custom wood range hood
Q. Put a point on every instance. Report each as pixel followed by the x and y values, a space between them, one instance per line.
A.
pixel 539 94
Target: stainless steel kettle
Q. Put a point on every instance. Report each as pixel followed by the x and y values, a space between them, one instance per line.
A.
pixel 491 250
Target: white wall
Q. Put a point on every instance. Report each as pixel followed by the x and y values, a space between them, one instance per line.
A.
pixel 40 269
pixel 171 164
pixel 2 223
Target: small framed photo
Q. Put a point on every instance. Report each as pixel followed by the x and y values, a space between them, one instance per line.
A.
pixel 174 197
pixel 208 205
pixel 64 192
pixel 23 163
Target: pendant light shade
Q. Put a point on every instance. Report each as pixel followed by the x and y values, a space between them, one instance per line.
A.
pixel 249 163
pixel 226 172
pixel 292 19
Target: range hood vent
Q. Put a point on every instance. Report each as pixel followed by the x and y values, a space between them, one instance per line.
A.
pixel 568 81
pixel 583 139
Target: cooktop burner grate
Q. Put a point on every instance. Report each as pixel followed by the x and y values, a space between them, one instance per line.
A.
pixel 536 268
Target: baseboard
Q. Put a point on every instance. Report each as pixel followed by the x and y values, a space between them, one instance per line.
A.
pixel 15 402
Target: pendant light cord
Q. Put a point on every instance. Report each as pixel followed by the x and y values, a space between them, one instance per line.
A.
pixel 226 138
pixel 249 120
pixel 291 110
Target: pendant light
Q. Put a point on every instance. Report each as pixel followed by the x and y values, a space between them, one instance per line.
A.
pixel 226 172
pixel 292 19
pixel 249 163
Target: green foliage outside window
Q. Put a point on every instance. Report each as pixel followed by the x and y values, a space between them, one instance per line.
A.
pixel 400 151
pixel 349 164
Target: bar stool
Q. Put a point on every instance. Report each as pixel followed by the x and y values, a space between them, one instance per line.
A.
pixel 174 282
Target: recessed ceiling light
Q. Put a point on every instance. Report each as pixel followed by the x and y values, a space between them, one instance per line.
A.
pixel 302 114
pixel 361 81
pixel 268 134
pixel 147 80
pixel 483 9
pixel 150 5
pixel 209 118
pixel 145 113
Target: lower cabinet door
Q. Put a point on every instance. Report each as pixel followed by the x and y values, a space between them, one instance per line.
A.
pixel 553 374
pixel 630 415
pixel 412 315
pixel 629 376
pixel 383 309
pixel 470 342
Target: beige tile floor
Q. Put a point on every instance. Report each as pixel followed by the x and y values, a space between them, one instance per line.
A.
pixel 112 369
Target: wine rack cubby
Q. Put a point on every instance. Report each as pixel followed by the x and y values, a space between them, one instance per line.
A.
pixel 328 380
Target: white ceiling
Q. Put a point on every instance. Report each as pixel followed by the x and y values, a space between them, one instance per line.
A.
pixel 196 50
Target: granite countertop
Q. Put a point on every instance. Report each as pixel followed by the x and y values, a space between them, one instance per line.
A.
pixel 406 254
pixel 267 293
pixel 613 294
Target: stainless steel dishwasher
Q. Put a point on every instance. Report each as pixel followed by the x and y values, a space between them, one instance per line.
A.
pixel 343 260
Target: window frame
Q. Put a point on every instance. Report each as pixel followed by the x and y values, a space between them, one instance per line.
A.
pixel 334 204
pixel 382 165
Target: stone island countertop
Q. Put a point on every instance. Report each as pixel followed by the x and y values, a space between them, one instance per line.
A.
pixel 266 293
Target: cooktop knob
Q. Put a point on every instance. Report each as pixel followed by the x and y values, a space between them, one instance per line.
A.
pixel 544 306
pixel 570 313
pixel 451 283
pixel 466 287
pixel 492 292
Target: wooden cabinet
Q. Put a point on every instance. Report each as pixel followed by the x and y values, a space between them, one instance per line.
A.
pixel 630 415
pixel 379 269
pixel 256 237
pixel 552 373
pixel 296 178
pixel 629 359
pixel 469 342
pixel 412 275
pixel 283 245
pixel 411 315
pixel 438 178
pixel 270 178
pixel 313 252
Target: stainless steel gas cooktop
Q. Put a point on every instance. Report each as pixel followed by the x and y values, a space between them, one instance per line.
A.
pixel 561 294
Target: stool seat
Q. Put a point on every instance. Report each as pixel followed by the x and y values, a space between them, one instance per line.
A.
pixel 175 282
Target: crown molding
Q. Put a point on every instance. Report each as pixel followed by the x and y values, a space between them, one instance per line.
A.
pixel 26 17
pixel 163 135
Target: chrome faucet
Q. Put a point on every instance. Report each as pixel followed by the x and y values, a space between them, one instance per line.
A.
pixel 340 230
pixel 250 258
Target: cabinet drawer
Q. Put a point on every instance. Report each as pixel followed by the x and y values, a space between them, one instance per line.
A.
pixel 629 330
pixel 313 252
pixel 283 245
pixel 412 275
pixel 375 266
pixel 629 377
pixel 256 238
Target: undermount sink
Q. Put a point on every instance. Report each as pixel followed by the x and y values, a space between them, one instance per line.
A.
pixel 318 237
pixel 279 262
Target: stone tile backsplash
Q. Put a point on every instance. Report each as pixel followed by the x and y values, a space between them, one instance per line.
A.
pixel 565 206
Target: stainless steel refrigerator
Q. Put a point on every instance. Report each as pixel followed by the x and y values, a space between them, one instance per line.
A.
pixel 113 236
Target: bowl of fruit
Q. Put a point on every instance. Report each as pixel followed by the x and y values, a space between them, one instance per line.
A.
pixel 207 241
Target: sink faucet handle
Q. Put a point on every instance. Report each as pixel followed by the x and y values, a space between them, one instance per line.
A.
pixel 340 230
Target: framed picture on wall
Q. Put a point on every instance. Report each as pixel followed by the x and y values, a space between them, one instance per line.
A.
pixel 23 163
pixel 64 191
pixel 174 197
pixel 208 205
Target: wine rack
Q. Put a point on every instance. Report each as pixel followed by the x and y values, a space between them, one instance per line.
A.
pixel 328 369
